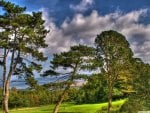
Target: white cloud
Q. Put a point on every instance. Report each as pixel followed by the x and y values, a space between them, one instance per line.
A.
pixel 82 6
pixel 83 29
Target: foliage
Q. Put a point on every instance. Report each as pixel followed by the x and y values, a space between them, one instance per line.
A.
pixel 140 99
pixel 94 91
pixel 31 98
pixel 141 83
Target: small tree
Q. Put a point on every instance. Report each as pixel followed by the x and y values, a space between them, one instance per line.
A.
pixel 116 54
pixel 68 66
pixel 21 36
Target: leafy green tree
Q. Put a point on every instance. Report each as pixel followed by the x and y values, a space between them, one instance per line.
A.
pixel 21 37
pixel 93 91
pixel 140 99
pixel 116 53
pixel 96 89
pixel 68 67
pixel 142 83
pixel 16 99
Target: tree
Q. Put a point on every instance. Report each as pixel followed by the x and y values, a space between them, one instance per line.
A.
pixel 93 91
pixel 114 49
pixel 21 37
pixel 141 83
pixel 140 99
pixel 68 67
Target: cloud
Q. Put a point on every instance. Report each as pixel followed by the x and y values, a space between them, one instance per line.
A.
pixel 82 6
pixel 83 29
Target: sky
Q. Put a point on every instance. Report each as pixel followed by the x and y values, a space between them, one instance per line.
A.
pixel 74 22
pixel 79 21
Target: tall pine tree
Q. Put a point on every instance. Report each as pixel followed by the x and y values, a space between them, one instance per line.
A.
pixel 70 65
pixel 21 37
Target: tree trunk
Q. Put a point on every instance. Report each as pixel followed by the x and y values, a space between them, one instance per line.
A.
pixel 110 99
pixel 65 90
pixel 61 99
pixel 58 104
pixel 5 98
pixel 5 107
pixel 5 91
pixel 6 81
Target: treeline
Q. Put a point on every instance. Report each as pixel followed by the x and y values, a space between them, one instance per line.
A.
pixel 29 98
pixel 94 91
pixel 89 93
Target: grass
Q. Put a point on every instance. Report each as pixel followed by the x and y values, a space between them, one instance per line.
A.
pixel 70 108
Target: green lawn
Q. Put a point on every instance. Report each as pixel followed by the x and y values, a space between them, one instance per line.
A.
pixel 69 108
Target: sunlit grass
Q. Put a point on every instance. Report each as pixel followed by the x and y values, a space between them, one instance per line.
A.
pixel 70 108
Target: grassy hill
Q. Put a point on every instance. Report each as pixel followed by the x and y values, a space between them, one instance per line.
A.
pixel 70 108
